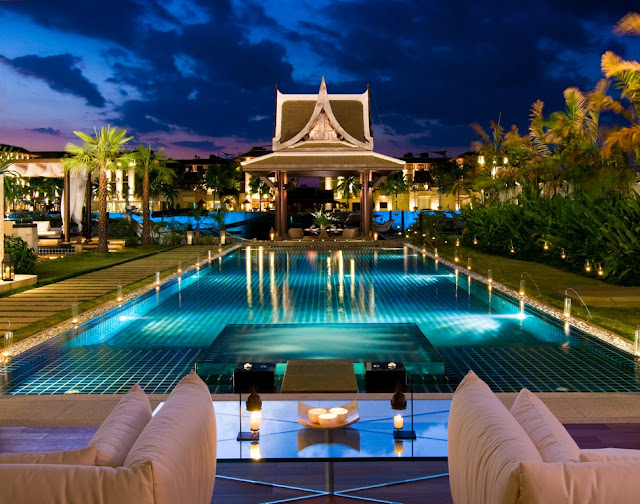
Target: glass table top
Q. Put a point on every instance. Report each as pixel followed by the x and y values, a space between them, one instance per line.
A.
pixel 282 438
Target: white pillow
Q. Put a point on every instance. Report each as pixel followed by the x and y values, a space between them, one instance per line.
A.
pixel 580 482
pixel 119 431
pixel 549 436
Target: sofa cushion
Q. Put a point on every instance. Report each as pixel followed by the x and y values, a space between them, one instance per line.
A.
pixel 486 445
pixel 549 436
pixel 50 483
pixel 119 431
pixel 610 455
pixel 83 456
pixel 180 442
pixel 580 482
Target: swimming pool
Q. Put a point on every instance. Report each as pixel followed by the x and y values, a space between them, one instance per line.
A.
pixel 155 339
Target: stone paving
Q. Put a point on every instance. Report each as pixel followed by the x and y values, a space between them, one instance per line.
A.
pixel 37 304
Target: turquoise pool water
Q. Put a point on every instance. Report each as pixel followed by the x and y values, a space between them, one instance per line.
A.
pixel 156 339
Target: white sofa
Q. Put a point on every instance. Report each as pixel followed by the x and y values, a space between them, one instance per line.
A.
pixel 525 455
pixel 46 231
pixel 169 458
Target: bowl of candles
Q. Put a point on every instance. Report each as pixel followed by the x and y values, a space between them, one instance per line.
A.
pixel 332 417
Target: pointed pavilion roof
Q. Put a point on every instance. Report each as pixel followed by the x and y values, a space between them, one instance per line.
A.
pixel 322 134
pixel 337 119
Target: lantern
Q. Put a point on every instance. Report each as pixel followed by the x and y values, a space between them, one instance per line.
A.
pixel 8 268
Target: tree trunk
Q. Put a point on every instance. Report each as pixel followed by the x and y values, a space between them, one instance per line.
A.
pixel 146 220
pixel 103 218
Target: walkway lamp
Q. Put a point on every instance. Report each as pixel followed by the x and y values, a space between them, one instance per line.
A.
pixel 8 268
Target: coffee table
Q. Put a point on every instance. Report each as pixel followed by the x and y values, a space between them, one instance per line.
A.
pixel 283 439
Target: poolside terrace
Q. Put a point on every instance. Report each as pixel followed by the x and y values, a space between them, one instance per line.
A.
pixel 41 423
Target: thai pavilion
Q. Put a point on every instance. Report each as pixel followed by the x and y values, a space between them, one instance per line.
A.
pixel 323 135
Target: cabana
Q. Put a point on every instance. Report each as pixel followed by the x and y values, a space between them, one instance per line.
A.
pixel 73 194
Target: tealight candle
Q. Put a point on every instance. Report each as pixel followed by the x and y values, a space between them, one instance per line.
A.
pixel 254 451
pixel 254 421
pixel 398 422
pixel 248 366
pixel 328 420
pixel 314 413
pixel 341 413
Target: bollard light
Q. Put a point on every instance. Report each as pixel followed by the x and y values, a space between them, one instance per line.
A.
pixel 567 308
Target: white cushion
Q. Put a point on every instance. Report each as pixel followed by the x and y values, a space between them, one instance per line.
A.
pixel 486 445
pixel 53 484
pixel 119 431
pixel 82 456
pixel 610 455
pixel 549 436
pixel 180 442
pixel 580 482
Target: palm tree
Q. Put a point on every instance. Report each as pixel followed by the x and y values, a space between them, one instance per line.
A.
pixel 626 75
pixel 99 153
pixel 170 192
pixel 395 184
pixel 219 178
pixel 6 160
pixel 259 186
pixel 348 186
pixel 147 163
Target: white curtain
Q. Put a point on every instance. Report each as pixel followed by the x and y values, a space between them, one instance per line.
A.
pixel 77 184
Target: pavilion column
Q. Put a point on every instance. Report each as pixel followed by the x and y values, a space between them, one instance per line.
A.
pixel 67 207
pixel 366 203
pixel 281 205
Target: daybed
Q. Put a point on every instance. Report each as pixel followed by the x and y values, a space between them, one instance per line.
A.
pixel 525 455
pixel 169 458
pixel 46 231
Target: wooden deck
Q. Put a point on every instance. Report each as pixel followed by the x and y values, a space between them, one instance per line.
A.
pixel 311 474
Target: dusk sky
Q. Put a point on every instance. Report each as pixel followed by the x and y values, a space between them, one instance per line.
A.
pixel 199 76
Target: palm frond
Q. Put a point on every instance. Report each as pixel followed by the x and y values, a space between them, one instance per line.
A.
pixel 628 25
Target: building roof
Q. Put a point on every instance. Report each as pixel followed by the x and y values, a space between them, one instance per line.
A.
pixel 335 119
pixel 319 163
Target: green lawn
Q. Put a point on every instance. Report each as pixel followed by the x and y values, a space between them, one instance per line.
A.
pixel 552 283
pixel 55 270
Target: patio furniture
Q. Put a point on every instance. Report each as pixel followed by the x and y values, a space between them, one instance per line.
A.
pixel 350 233
pixel 283 439
pixel 325 375
pixel 525 455
pixel 296 234
pixel 133 457
pixel 46 231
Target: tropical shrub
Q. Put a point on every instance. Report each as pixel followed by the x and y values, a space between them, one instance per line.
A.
pixel 564 231
pixel 24 257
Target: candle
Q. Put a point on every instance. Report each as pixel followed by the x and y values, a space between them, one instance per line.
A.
pixel 328 420
pixel 398 422
pixel 254 420
pixel 341 413
pixel 254 451
pixel 314 413
pixel 398 448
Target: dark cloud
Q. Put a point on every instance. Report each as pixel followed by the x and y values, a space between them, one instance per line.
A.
pixel 46 131
pixel 206 145
pixel 60 73
pixel 209 68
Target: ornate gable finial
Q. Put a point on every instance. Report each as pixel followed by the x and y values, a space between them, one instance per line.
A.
pixel 323 87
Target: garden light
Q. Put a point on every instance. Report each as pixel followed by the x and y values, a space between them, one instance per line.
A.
pixel 587 266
